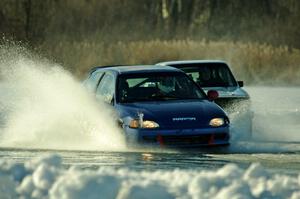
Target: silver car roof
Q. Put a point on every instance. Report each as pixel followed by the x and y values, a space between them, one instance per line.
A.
pixel 190 62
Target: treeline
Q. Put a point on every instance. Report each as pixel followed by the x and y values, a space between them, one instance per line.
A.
pixel 274 22
pixel 259 38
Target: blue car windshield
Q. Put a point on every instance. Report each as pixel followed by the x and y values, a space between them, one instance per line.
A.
pixel 156 87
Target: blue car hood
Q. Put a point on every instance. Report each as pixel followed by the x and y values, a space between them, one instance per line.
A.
pixel 174 114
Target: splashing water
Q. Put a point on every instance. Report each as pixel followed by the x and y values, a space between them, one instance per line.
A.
pixel 276 126
pixel 43 106
pixel 277 112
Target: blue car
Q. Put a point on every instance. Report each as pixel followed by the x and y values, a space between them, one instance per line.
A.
pixel 160 106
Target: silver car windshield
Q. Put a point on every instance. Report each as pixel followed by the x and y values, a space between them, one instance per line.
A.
pixel 157 87
pixel 210 75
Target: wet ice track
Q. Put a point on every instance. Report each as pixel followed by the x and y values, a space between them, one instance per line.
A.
pixel 136 160
pixel 283 162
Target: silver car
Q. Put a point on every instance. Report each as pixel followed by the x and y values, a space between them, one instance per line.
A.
pixel 216 75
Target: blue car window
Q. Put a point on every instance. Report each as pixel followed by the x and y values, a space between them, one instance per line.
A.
pixel 105 90
pixel 133 82
pixel 92 82
pixel 157 87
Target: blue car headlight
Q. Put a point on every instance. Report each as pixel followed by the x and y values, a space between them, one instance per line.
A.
pixel 146 124
pixel 216 122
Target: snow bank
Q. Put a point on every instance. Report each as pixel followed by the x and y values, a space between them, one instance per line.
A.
pixel 46 178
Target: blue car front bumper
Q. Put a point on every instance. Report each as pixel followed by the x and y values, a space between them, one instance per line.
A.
pixel 181 138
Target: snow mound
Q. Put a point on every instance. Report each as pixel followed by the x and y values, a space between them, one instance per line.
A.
pixel 45 177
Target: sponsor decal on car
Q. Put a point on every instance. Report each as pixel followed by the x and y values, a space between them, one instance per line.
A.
pixel 175 119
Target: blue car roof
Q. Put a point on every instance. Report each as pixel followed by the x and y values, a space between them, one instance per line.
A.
pixel 129 69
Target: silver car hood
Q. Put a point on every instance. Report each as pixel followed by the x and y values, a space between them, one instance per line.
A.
pixel 228 92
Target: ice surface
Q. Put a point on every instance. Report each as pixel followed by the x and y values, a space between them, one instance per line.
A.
pixel 45 177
